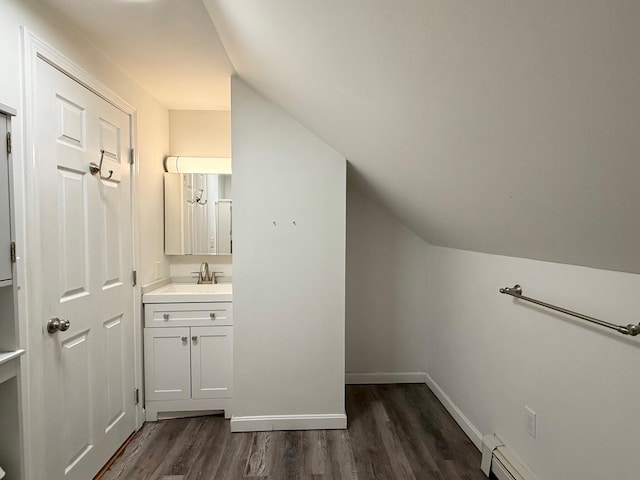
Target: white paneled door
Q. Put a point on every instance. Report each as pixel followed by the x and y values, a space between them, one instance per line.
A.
pixel 86 269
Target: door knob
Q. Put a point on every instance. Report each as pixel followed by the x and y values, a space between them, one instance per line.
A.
pixel 184 339
pixel 55 324
pixel 194 338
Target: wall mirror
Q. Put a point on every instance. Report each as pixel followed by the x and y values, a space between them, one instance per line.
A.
pixel 197 214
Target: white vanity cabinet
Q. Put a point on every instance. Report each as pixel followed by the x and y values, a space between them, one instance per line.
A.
pixel 188 358
pixel 188 362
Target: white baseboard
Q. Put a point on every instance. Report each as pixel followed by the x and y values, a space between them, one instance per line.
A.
pixel 266 423
pixel 385 377
pixel 469 429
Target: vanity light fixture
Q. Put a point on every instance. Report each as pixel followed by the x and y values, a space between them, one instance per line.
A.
pixel 198 165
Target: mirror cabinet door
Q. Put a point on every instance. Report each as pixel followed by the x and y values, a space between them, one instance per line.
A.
pixel 197 214
pixel 5 227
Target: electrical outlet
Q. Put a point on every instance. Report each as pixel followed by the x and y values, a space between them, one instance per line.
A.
pixel 531 422
pixel 159 270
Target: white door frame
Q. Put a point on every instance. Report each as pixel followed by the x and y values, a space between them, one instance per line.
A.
pixel 28 246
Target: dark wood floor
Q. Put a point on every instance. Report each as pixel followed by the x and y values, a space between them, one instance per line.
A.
pixel 395 432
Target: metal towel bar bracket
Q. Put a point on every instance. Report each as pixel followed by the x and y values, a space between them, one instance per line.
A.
pixel 516 291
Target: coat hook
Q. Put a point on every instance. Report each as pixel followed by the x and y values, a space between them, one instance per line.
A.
pixel 95 169
pixel 197 199
pixel 274 222
pixel 294 222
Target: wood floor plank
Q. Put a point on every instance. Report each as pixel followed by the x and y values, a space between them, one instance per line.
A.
pixel 342 461
pixel 453 445
pixel 234 458
pixel 182 453
pixel 372 460
pixel 152 453
pixel 257 465
pixel 397 459
pixel 314 451
pixel 439 432
pixel 130 456
pixel 210 454
pixel 395 432
pixel 411 434
pixel 286 458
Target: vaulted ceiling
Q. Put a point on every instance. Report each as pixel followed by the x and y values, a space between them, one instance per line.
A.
pixel 170 47
pixel 494 126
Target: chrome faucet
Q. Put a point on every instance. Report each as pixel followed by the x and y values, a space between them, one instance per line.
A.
pixel 204 276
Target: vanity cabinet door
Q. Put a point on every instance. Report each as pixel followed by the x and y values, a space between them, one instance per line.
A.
pixel 211 362
pixel 167 363
pixel 5 230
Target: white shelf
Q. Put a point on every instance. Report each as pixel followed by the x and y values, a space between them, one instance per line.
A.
pixel 8 366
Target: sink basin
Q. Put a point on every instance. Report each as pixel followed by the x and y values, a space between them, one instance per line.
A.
pixel 190 292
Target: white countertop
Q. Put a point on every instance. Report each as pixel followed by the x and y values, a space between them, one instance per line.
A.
pixel 189 293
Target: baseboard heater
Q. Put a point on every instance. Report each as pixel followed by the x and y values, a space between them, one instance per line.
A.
pixel 497 459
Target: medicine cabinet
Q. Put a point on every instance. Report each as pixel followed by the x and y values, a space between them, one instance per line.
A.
pixel 197 214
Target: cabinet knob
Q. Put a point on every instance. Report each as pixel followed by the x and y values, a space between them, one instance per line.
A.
pixel 194 338
pixel 184 339
pixel 212 315
pixel 165 316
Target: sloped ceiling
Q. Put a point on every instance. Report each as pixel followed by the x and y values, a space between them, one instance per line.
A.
pixel 170 47
pixel 494 126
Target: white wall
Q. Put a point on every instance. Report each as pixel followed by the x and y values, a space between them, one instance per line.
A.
pixel 386 281
pixel 493 355
pixel 153 128
pixel 200 133
pixel 289 280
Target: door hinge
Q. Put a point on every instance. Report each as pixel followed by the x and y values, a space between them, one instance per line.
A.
pixel 9 145
pixel 13 252
pixel 137 396
pixel 131 155
pixel 134 278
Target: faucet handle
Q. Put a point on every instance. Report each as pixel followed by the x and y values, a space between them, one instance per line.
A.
pixel 215 275
pixel 198 275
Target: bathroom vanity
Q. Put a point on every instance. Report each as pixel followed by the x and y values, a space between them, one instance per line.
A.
pixel 188 350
